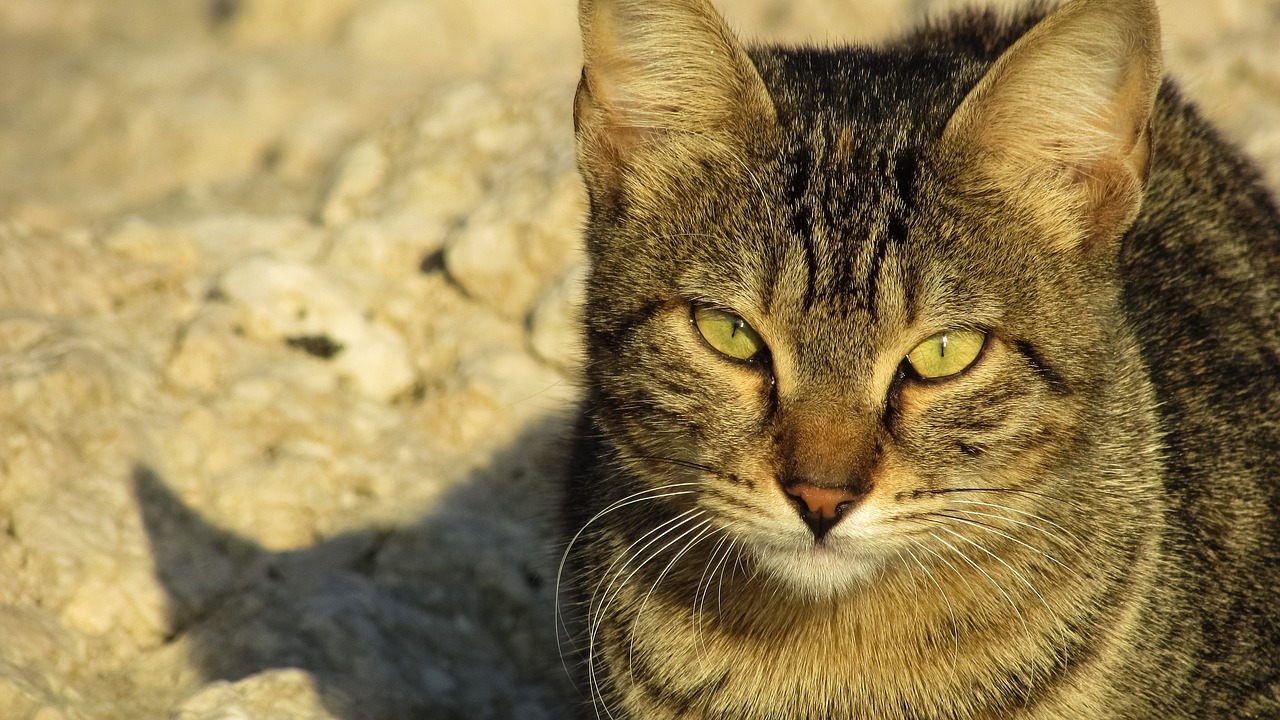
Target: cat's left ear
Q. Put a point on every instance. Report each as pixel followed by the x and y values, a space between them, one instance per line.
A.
pixel 1061 121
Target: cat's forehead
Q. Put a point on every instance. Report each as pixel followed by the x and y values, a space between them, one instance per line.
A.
pixel 866 99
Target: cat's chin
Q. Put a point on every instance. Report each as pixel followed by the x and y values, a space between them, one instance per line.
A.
pixel 819 571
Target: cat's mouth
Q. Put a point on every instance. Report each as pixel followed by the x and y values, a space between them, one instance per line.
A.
pixel 826 560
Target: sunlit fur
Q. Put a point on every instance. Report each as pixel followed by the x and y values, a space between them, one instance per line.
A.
pixel 1083 523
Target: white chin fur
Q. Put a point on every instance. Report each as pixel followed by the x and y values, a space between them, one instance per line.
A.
pixel 818 572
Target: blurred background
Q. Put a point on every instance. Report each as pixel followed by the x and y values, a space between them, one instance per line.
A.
pixel 105 104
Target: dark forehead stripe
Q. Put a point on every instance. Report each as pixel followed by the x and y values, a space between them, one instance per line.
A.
pixel 853 186
pixel 801 175
pixel 905 168
pixel 898 203
pixel 860 214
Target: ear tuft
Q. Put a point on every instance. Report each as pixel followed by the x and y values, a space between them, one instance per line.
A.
pixel 1061 121
pixel 663 82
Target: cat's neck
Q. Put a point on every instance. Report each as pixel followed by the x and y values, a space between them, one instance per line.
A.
pixel 919 635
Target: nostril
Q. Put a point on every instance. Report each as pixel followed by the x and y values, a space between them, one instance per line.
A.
pixel 822 507
pixel 829 501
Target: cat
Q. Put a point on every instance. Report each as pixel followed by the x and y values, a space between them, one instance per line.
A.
pixel 935 380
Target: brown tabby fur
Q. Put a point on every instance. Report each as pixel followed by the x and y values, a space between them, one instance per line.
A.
pixel 1082 524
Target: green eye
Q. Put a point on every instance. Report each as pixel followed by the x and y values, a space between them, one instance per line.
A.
pixel 727 333
pixel 946 353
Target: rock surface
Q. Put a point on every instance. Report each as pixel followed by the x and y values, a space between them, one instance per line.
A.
pixel 287 293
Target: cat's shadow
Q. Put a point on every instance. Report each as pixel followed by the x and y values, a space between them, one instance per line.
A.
pixel 450 617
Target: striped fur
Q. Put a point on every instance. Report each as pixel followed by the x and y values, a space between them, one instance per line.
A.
pixel 1083 524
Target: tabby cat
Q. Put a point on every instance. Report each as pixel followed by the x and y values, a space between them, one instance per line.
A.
pixel 938 380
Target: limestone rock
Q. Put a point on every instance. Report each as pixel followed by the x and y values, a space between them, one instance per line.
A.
pixel 294 303
pixel 273 695
pixel 360 174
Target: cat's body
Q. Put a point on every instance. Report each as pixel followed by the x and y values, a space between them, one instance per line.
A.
pixel 1080 519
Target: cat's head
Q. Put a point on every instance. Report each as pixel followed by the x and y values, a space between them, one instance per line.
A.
pixel 853 308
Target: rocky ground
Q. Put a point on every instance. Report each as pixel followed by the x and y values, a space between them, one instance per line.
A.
pixel 287 350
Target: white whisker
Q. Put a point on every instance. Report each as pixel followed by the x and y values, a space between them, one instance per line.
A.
pixel 1026 628
pixel 1076 543
pixel 704 587
pixel 1018 575
pixel 702 531
pixel 955 626
pixel 990 529
pixel 642 496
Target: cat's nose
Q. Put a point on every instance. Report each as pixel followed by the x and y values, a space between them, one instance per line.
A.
pixel 820 506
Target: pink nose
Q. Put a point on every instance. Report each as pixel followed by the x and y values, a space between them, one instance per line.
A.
pixel 825 501
pixel 822 507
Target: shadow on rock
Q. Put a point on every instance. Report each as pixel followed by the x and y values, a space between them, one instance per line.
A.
pixel 448 618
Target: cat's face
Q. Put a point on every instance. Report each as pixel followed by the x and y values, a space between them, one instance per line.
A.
pixel 847 339
pixel 746 358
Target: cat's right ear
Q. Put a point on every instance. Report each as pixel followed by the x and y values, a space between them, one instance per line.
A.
pixel 665 85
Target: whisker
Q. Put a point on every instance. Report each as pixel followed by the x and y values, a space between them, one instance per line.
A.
pixel 737 567
pixel 678 462
pixel 955 626
pixel 651 494
pixel 992 529
pixel 1057 621
pixel 652 536
pixel 1076 542
pixel 642 496
pixel 1026 628
pixel 606 599
pixel 704 586
pixel 921 492
pixel 703 531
